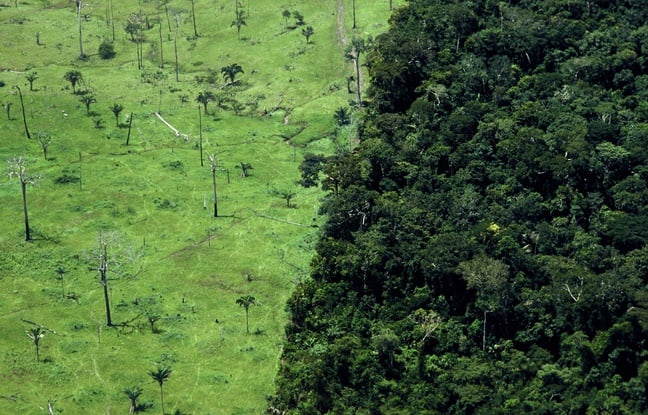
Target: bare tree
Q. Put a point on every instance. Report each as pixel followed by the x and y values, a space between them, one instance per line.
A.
pixel 44 139
pixel 103 275
pixel 79 5
pixel 36 334
pixel 193 17
pixel 22 106
pixel 213 166
pixel 18 169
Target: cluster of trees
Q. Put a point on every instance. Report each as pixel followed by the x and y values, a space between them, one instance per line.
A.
pixel 486 243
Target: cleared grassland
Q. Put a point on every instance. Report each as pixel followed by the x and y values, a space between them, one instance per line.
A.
pixel 170 259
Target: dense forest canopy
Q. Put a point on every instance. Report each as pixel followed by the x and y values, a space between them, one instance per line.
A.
pixel 485 249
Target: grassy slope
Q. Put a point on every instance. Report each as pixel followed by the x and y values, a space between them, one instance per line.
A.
pixel 188 266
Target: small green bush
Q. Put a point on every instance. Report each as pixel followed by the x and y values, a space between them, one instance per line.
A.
pixel 106 50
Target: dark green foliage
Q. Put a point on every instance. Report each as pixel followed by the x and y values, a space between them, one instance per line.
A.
pixel 485 249
pixel 106 50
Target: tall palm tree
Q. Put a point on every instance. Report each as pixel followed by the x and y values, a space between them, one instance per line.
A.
pixel 133 393
pixel 245 302
pixel 239 22
pixel 36 334
pixel 160 375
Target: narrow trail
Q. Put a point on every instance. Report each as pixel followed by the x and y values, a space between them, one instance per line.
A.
pixel 341 30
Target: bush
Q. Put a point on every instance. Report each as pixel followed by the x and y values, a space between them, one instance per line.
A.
pixel 106 50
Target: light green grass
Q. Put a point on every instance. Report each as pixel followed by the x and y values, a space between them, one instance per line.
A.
pixel 185 265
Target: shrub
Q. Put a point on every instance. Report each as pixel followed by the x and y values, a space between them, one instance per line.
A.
pixel 106 50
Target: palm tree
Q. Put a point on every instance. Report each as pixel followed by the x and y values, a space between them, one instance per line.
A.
pixel 245 302
pixel 205 98
pixel 286 15
pixel 116 109
pixel 73 77
pixel 36 334
pixel 160 375
pixel 308 32
pixel 239 22
pixel 230 71
pixel 133 393
pixel 88 99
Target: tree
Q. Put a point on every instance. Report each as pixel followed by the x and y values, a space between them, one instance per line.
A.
pixel 310 169
pixel 36 334
pixel 44 139
pixel 22 106
pixel 353 6
pixel 245 302
pixel 160 375
pixel 353 52
pixel 102 256
pixel 133 393
pixel 60 276
pixel 31 77
pixel 193 17
pixel 342 116
pixel 213 166
pixel 299 18
pixel 18 168
pixel 239 22
pixel 87 99
pixel 286 15
pixel 204 98
pixel 308 32
pixel 106 49
pixel 79 5
pixel 73 77
pixel 245 167
pixel 8 110
pixel 489 277
pixel 230 71
pixel 116 109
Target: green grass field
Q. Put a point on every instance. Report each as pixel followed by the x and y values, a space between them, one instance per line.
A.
pixel 169 258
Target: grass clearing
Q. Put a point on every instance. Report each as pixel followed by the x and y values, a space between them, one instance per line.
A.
pixel 153 200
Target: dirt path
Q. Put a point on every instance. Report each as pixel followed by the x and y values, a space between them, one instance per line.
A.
pixel 341 30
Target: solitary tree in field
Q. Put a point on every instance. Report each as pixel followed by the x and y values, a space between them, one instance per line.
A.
pixel 103 275
pixel 18 169
pixel 44 139
pixel 193 17
pixel 230 71
pixel 213 166
pixel 245 302
pixel 36 334
pixel 88 99
pixel 133 393
pixel 116 109
pixel 60 276
pixel 160 375
pixel 205 97
pixel 31 77
pixel 8 109
pixel 308 32
pixel 286 15
pixel 239 22
pixel 73 77
pixel 79 5
pixel 22 106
